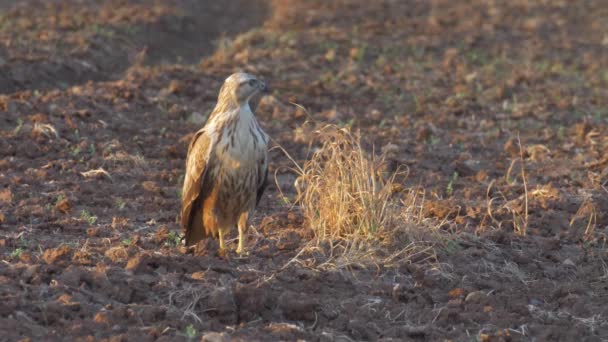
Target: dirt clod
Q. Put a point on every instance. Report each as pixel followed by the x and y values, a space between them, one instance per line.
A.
pixel 297 306
pixel 60 254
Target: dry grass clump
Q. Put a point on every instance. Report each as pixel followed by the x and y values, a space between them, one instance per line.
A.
pixel 343 192
pixel 355 206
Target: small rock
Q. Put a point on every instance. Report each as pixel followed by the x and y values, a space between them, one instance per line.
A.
pixel 214 337
pixel 390 149
pixel 376 115
pixel 536 302
pixel 569 262
pixel 475 297
pixel 200 275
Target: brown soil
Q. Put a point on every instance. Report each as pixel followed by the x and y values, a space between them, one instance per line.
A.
pixel 56 44
pixel 443 87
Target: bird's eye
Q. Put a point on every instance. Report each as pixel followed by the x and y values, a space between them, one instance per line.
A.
pixel 252 82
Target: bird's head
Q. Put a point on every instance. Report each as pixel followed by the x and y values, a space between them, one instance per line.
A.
pixel 241 87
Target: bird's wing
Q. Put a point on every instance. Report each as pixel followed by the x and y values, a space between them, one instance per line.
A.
pixel 197 162
pixel 263 179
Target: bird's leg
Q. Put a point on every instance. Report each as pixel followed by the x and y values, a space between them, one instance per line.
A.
pixel 242 230
pixel 221 237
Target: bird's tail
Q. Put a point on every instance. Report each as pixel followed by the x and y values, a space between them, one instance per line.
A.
pixel 195 231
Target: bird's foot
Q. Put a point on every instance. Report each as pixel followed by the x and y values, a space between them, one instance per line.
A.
pixel 242 253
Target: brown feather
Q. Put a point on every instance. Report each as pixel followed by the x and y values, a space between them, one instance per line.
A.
pixel 196 230
pixel 196 169
pixel 262 183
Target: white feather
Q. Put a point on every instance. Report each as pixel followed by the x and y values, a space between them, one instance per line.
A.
pixel 244 153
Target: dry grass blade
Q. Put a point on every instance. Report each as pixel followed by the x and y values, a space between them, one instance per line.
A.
pixel 186 301
pixel 45 130
pixel 97 173
pixel 523 227
pixel 520 216
pixel 587 211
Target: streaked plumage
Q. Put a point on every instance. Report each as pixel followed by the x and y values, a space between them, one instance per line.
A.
pixel 226 167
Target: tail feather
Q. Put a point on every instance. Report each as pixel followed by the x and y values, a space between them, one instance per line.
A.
pixel 196 230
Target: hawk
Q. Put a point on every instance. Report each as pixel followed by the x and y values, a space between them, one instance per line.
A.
pixel 226 167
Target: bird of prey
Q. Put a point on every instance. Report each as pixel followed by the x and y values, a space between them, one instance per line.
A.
pixel 226 167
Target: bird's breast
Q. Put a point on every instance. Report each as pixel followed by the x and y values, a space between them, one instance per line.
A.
pixel 241 145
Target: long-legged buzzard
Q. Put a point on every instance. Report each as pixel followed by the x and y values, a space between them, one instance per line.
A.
pixel 226 167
